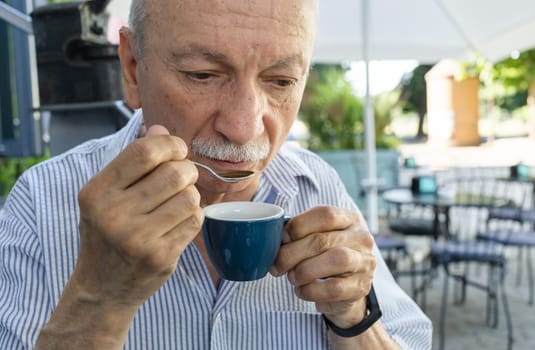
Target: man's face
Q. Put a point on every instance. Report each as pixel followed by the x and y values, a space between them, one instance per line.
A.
pixel 227 76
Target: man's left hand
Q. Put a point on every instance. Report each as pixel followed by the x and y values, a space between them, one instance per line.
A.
pixel 327 254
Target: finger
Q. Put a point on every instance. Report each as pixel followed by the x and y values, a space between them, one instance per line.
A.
pixel 138 236
pixel 293 253
pixel 171 245
pixel 139 158
pixel 320 219
pixel 156 224
pixel 164 182
pixel 335 289
pixel 157 130
pixel 183 233
pixel 176 210
pixel 339 261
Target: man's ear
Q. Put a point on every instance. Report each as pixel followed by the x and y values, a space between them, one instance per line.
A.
pixel 127 55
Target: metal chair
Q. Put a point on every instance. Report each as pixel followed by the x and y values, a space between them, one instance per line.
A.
pixel 393 248
pixel 511 225
pixel 462 251
pixel 395 251
pixel 509 231
pixel 416 222
pixel 452 252
pixel 421 222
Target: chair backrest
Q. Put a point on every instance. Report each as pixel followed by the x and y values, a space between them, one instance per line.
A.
pixel 411 219
pixel 477 196
pixel 512 215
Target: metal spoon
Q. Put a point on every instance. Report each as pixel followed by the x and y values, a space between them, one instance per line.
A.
pixel 230 176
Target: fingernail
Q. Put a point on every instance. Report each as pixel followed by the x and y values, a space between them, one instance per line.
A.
pixel 291 277
pixel 157 129
pixel 273 271
pixel 285 237
pixel 183 148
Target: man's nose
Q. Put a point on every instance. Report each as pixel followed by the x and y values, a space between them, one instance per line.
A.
pixel 241 118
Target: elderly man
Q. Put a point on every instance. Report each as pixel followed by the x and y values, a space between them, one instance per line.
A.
pixel 100 247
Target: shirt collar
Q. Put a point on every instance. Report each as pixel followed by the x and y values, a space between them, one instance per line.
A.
pixel 123 137
pixel 286 169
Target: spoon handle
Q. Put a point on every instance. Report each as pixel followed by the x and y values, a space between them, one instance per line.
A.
pixel 234 176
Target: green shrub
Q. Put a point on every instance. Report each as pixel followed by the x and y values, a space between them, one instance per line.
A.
pixel 334 114
pixel 331 110
pixel 12 168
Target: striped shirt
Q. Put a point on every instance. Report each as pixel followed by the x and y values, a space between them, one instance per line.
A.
pixel 39 241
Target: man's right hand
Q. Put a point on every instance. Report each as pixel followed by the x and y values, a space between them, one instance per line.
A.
pixel 136 218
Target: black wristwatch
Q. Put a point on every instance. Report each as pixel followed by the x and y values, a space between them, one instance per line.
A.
pixel 373 313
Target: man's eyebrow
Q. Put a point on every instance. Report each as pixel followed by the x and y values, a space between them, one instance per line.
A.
pixel 195 53
pixel 295 60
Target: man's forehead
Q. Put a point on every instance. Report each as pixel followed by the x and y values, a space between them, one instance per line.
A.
pixel 299 16
pixel 295 18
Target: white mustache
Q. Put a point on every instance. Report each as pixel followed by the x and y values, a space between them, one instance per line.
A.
pixel 228 151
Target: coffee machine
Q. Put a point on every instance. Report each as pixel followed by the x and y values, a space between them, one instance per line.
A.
pixel 79 74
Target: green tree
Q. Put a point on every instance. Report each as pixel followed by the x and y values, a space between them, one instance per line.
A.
pixel 334 114
pixel 331 110
pixel 413 94
pixel 384 105
pixel 514 80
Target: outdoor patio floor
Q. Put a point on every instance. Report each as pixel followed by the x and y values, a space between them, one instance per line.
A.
pixel 465 324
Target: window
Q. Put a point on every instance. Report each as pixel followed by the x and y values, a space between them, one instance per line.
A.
pixel 19 125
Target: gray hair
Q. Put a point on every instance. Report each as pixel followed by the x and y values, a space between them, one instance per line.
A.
pixel 136 22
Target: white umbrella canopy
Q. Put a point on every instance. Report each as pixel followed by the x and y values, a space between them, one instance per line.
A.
pixel 423 30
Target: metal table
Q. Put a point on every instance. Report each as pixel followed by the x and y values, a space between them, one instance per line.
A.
pixel 441 202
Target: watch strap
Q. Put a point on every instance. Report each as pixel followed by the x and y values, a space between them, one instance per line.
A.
pixel 372 315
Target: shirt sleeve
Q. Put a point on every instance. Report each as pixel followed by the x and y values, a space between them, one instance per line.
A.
pixel 402 317
pixel 24 305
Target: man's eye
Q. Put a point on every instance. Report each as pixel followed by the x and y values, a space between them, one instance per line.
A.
pixel 284 82
pixel 199 75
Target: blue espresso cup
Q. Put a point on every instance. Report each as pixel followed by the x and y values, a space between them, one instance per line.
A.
pixel 242 239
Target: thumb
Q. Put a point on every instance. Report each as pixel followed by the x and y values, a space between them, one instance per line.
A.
pixel 157 130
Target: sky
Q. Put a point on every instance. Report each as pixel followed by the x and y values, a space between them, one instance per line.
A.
pixel 384 75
